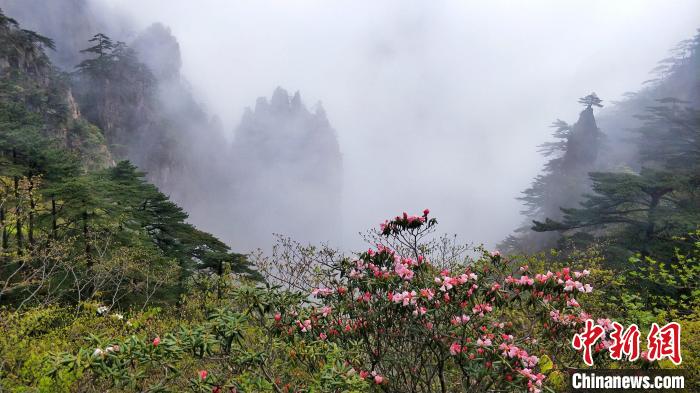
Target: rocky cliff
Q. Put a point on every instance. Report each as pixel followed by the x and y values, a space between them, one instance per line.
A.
pixel 287 171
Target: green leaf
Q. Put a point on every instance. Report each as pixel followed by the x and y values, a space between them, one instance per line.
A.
pixel 545 364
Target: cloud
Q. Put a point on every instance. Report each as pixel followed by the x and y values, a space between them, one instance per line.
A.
pixel 436 104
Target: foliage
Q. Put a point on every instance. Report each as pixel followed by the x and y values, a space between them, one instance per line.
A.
pixel 74 225
pixel 642 211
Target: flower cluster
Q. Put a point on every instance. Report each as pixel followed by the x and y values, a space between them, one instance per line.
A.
pixel 399 305
pixel 405 222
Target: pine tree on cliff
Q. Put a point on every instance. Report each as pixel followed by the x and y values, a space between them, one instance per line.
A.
pixel 564 178
pixel 643 211
pixel 115 91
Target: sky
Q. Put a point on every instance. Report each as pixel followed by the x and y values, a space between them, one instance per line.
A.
pixel 437 105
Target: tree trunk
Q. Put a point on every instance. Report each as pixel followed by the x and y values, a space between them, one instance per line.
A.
pixel 85 238
pixel 18 223
pixel 32 207
pixel 649 230
pixel 53 217
pixel 4 229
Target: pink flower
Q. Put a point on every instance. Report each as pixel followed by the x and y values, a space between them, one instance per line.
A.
pixel 481 309
pixel 322 336
pixel 364 374
pixel 420 311
pixel 458 320
pixel 455 348
pixel 403 271
pixel 483 343
pixel 305 326
pixel 203 374
pixel 426 212
pixel 156 341
pixel 427 293
pixel 569 285
pixel 446 283
pixel 321 292
pixel 378 379
pixel 278 317
pixel 555 315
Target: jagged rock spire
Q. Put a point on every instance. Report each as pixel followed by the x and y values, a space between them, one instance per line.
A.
pixel 287 172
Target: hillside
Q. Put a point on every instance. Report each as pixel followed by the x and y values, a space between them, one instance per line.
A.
pixel 67 206
pixel 107 285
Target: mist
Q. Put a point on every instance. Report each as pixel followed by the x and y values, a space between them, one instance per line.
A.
pixel 436 105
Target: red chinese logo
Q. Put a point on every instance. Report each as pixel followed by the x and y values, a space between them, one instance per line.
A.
pixel 662 342
pixel 585 341
pixel 626 343
pixel 665 342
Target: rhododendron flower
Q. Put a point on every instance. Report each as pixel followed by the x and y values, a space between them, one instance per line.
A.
pixel 156 341
pixel 426 212
pixel 203 374
pixel 355 274
pixel 378 379
pixel 569 285
pixel 403 271
pixel 483 342
pixel 420 311
pixel 555 315
pixel 581 273
pixel 606 323
pixel 112 348
pixel 572 303
pixel 427 293
pixel 325 310
pixel 305 326
pixel 320 292
pixel 278 317
pixel 322 336
pixel 495 253
pixel 455 348
pixel 364 374
pixel 97 352
pixel 446 282
pixel 481 309
pixel 458 320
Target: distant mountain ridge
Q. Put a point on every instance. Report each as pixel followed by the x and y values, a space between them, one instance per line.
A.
pixel 287 168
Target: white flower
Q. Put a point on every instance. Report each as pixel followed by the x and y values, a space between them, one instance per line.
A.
pixel 118 316
pixel 102 310
pixel 98 352
pixel 112 348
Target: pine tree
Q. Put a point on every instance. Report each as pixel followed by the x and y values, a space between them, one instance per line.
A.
pixel 643 211
pixel 564 177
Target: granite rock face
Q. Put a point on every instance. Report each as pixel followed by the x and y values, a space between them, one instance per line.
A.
pixel 287 171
